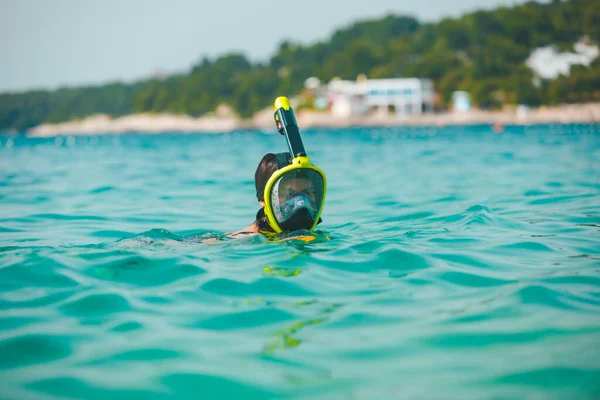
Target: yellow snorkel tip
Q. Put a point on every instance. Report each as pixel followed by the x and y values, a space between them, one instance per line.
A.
pixel 282 102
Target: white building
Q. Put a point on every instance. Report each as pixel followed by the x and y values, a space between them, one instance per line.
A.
pixel 402 96
pixel 347 98
pixel 406 96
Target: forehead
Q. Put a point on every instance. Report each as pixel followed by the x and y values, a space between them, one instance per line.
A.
pixel 296 181
pixel 301 179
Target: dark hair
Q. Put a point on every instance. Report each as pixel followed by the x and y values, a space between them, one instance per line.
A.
pixel 266 167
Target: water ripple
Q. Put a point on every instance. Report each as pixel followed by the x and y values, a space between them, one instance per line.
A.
pixel 452 255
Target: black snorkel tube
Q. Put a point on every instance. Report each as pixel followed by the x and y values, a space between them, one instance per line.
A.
pixel 287 126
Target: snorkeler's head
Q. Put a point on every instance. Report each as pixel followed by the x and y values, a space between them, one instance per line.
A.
pixel 296 193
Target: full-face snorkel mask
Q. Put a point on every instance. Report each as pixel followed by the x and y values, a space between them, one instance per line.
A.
pixel 295 193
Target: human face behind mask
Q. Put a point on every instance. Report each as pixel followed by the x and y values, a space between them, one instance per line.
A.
pixel 298 186
pixel 296 198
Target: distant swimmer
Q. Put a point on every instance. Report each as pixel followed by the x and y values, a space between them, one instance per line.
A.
pixel 289 189
pixel 498 127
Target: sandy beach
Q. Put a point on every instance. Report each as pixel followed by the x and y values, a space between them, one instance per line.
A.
pixel 158 123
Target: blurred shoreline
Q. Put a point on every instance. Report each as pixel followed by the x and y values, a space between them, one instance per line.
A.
pixel 162 123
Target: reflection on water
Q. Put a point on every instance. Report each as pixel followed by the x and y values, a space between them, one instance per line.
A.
pixel 276 271
pixel 289 336
pixel 285 338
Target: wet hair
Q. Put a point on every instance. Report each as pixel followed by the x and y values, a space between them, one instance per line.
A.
pixel 267 167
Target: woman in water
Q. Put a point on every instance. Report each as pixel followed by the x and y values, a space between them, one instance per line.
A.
pixel 297 196
pixel 289 188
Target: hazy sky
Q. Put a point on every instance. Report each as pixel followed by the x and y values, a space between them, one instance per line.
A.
pixel 52 43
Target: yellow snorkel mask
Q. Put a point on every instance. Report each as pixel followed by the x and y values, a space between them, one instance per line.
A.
pixel 295 193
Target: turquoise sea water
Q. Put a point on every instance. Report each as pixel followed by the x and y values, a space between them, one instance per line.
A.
pixel 451 263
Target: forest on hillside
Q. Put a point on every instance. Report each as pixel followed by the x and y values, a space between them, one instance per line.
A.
pixel 483 52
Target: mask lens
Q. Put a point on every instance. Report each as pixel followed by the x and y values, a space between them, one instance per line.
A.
pixel 298 193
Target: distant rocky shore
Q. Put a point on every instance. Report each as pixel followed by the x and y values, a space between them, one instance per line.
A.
pixel 158 123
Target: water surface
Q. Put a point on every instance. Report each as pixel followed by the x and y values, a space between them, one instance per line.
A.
pixel 451 263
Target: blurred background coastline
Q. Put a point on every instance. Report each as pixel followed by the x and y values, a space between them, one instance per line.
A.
pixel 532 63
pixel 158 123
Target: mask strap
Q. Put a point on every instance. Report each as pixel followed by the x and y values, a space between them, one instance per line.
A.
pixel 283 159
